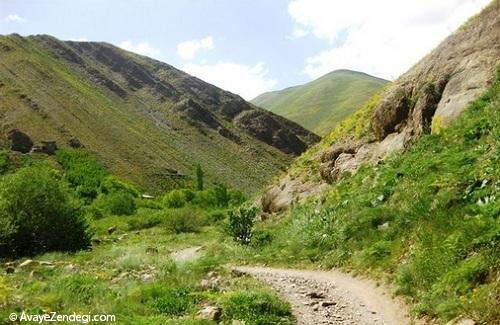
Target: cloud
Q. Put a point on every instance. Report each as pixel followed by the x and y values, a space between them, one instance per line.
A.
pixel 142 48
pixel 246 81
pixel 297 33
pixel 187 50
pixel 14 19
pixel 383 38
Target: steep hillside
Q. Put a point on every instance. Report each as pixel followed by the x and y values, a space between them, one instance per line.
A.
pixel 146 120
pixel 320 104
pixel 429 96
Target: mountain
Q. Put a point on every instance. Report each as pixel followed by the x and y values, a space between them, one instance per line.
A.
pixel 145 120
pixel 406 190
pixel 426 98
pixel 320 104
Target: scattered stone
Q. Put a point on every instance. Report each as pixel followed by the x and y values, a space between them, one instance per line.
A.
pixel 146 277
pixel 46 263
pixel 237 273
pixel 28 263
pixel 315 295
pixel 70 268
pixel 111 230
pixel 122 237
pixel 9 269
pixel 383 226
pixel 327 303
pixel 211 313
pixel 96 241
pixel 20 141
pixel 49 147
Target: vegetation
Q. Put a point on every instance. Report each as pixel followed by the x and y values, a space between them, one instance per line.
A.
pixel 38 214
pixel 320 104
pixel 199 178
pixel 240 225
pixel 426 220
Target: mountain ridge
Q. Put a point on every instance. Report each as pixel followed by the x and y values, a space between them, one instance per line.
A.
pixel 319 104
pixel 139 115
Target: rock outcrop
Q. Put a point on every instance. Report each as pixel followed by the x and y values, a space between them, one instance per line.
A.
pixel 432 93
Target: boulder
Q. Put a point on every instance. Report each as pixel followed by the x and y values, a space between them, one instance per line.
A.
pixel 211 313
pixel 20 141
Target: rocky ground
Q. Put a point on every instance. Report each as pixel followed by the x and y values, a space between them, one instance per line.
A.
pixel 319 297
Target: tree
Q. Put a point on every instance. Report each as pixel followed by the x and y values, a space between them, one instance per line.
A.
pixel 38 214
pixel 199 178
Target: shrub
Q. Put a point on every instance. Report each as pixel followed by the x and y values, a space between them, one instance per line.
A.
pixel 173 301
pixel 240 225
pixel 37 214
pixel 82 171
pixel 199 178
pixel 116 203
pixel 144 219
pixel 184 220
pixel 175 199
pixel 257 307
pixel 261 237
pixel 112 184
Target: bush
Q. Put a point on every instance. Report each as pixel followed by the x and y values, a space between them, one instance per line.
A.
pixel 256 308
pixel 184 220
pixel 38 215
pixel 82 171
pixel 178 198
pixel 144 219
pixel 240 225
pixel 116 203
pixel 261 237
pixel 173 301
pixel 112 184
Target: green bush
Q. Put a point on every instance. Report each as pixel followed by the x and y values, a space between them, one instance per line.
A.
pixel 256 308
pixel 184 220
pixel 261 237
pixel 240 224
pixel 112 184
pixel 82 171
pixel 171 301
pixel 144 219
pixel 37 214
pixel 116 203
pixel 178 198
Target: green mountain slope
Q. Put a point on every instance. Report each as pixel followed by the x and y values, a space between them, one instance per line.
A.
pixel 320 104
pixel 145 120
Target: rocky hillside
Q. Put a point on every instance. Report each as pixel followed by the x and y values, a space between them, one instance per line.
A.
pixel 146 120
pixel 426 98
pixel 320 104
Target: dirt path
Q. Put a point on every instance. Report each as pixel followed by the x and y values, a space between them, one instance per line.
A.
pixel 332 297
pixel 186 255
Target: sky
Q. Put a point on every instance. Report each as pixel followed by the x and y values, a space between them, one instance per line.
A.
pixel 253 46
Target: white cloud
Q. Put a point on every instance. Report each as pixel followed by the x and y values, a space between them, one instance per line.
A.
pixel 142 48
pixel 297 33
pixel 246 81
pixel 14 19
pixel 187 50
pixel 383 38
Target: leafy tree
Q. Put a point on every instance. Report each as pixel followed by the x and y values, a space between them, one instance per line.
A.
pixel 38 214
pixel 199 178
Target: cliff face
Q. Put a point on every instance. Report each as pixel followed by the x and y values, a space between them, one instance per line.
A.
pixel 143 118
pixel 430 95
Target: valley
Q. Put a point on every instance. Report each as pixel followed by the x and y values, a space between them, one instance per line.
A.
pixel 131 188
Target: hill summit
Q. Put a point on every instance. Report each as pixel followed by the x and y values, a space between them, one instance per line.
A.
pixel 320 104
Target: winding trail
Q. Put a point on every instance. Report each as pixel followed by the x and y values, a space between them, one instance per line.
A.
pixel 332 297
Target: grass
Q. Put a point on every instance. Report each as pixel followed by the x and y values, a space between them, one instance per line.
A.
pixel 107 280
pixel 425 220
pixel 321 104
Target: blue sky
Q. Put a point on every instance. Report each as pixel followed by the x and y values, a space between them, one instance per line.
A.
pixel 252 46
